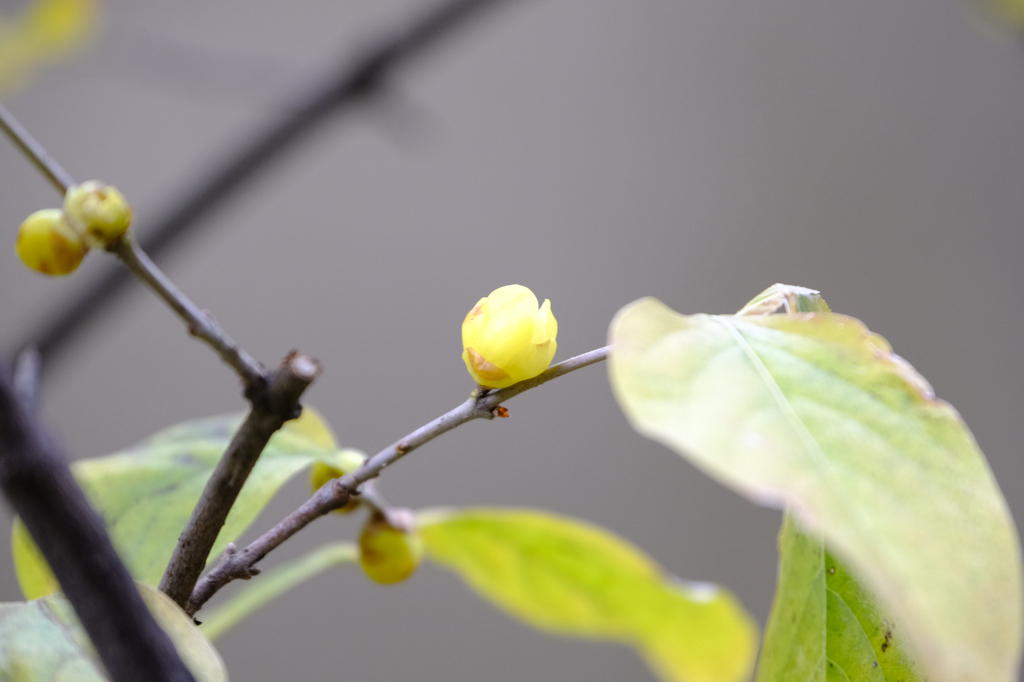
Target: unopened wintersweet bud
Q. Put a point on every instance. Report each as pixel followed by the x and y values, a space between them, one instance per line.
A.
pixel 48 244
pixel 101 211
pixel 390 547
pixel 507 338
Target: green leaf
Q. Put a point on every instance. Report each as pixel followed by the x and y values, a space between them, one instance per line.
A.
pixel 825 625
pixel 42 641
pixel 794 639
pixel 815 413
pixel 146 494
pixel 272 584
pixel 570 578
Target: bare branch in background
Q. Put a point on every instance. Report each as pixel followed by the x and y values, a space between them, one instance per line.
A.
pixel 354 82
pixel 27 369
pixel 36 480
pixel 277 405
pixel 240 564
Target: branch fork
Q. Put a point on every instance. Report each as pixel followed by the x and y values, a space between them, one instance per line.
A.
pixel 337 492
pixel 278 403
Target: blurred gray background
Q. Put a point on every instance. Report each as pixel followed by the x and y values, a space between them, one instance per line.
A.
pixel 594 151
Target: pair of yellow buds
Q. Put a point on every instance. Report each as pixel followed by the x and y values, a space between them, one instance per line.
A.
pixel 54 241
pixel 390 549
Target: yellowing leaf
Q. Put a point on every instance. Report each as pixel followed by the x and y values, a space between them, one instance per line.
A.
pixel 569 578
pixel 814 412
pixel 42 641
pixel 146 494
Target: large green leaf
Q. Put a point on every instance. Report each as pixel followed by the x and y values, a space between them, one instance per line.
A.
pixel 570 578
pixel 272 584
pixel 146 494
pixel 42 641
pixel 814 412
pixel 825 625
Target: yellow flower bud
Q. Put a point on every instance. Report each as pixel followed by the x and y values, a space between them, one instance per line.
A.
pixel 48 244
pixel 507 338
pixel 342 462
pixel 390 548
pixel 101 211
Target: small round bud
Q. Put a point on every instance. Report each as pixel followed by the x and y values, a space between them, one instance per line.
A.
pixel 48 244
pixel 101 211
pixel 342 462
pixel 507 337
pixel 390 548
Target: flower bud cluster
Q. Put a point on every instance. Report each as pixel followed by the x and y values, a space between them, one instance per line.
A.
pixel 54 241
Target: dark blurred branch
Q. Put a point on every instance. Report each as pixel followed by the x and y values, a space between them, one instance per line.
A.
pixel 37 482
pixel 58 177
pixel 239 564
pixel 27 368
pixel 351 84
pixel 278 404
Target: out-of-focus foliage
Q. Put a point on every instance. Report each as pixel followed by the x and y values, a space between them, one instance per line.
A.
pixel 570 578
pixel 146 494
pixel 1008 12
pixel 46 31
pixel 44 642
pixel 813 412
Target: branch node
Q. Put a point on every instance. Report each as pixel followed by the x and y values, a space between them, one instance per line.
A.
pixel 275 400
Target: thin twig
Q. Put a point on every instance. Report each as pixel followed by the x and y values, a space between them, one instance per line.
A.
pixel 274 400
pixel 239 564
pixel 279 403
pixel 354 81
pixel 36 480
pixel 200 323
pixel 24 141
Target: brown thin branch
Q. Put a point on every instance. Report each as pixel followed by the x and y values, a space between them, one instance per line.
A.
pixel 23 140
pixel 277 405
pixel 240 564
pixel 200 323
pixel 36 480
pixel 274 399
